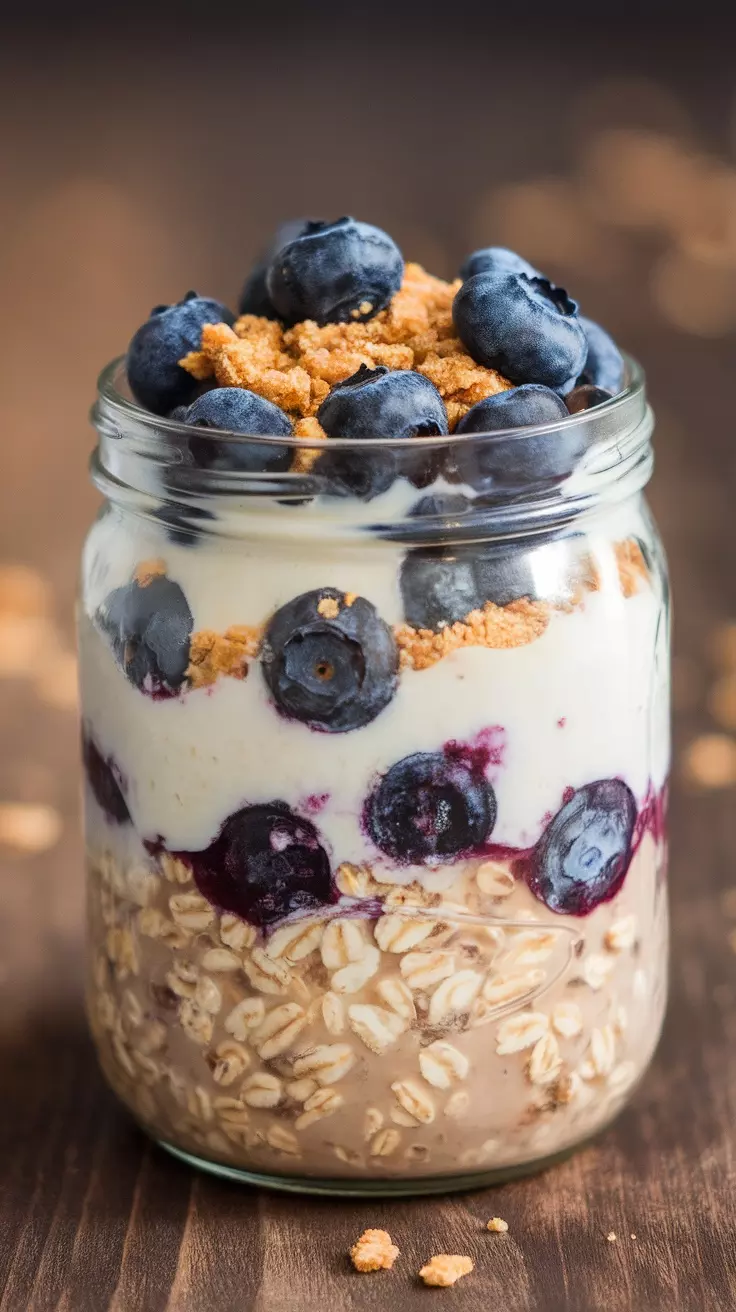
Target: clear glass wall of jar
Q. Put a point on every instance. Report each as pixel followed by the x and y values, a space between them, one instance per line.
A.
pixel 375 794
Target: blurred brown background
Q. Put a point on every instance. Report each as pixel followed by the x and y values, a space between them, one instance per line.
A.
pixel 148 149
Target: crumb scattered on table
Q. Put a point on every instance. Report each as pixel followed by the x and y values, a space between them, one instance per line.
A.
pixel 374 1251
pixel 497 1225
pixel 612 1236
pixel 445 1269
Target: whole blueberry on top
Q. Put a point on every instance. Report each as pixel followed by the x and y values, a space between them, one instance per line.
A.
pixel 254 298
pixel 520 460
pixel 156 378
pixel 604 364
pixel 330 660
pixel 584 853
pixel 376 403
pixel 106 782
pixel 335 273
pixel 266 863
pixel 496 259
pixel 149 625
pixel 238 411
pixel 586 397
pixel 524 327
pixel 430 807
pixel 397 403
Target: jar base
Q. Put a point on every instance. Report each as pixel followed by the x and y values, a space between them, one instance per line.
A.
pixel 400 1188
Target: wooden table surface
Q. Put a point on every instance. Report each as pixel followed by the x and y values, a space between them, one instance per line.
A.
pixel 94 1217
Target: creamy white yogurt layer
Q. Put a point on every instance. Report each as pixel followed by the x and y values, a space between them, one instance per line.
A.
pixel 587 700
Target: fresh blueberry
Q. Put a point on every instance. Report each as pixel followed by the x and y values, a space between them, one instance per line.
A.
pixel 586 397
pixel 181 523
pixel 445 505
pixel 504 574
pixel 150 626
pixel 266 863
pixel 172 331
pixel 524 327
pixel 106 782
pixel 238 411
pixel 330 661
pixel 376 403
pixel 254 298
pixel 496 259
pixel 604 364
pixel 584 853
pixel 430 807
pixel 438 586
pixel 397 403
pixel 513 463
pixel 335 273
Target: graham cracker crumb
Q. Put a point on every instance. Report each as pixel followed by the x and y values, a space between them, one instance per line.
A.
pixel 296 368
pixel 445 1269
pixel 350 597
pixel 212 654
pixel 328 608
pixel 494 626
pixel 632 567
pixel 611 1236
pixel 374 1251
pixel 497 1225
pixel 307 430
pixel 147 571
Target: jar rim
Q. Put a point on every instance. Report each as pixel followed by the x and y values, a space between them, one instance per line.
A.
pixel 114 406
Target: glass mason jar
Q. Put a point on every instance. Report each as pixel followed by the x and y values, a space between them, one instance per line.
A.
pixel 375 793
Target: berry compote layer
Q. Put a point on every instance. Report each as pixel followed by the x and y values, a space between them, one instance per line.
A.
pixel 375 819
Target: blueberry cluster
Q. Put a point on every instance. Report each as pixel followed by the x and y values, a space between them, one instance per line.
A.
pixel 507 314
pixel 429 808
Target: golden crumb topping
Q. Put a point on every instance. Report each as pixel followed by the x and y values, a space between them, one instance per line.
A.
pixel 374 1251
pixel 212 654
pixel 148 570
pixel 296 367
pixel 445 1269
pixel 513 625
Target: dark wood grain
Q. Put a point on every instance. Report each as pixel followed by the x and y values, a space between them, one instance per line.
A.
pixel 104 219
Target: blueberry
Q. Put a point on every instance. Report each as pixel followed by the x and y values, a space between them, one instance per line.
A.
pixel 238 411
pixel 524 327
pixel 376 403
pixel 149 625
pixel 335 273
pixel 171 332
pixel 513 463
pixel 604 364
pixel 496 259
pixel 438 586
pixel 265 863
pixel 330 664
pixel 584 853
pixel 447 505
pixel 430 807
pixel 504 575
pixel 106 782
pixel 181 523
pixel 254 298
pixel 586 397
